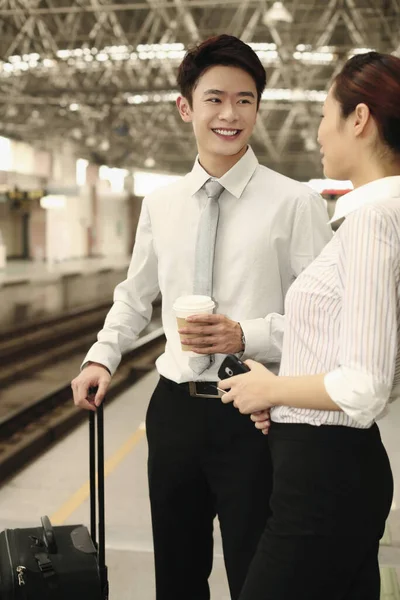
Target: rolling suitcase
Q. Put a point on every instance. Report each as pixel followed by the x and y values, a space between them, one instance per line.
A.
pixel 64 562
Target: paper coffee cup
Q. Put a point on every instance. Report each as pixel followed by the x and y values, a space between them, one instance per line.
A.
pixel 184 306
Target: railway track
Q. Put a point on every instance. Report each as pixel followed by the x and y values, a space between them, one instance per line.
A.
pixel 28 427
pixel 29 348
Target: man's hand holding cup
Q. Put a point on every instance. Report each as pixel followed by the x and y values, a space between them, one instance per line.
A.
pixel 202 332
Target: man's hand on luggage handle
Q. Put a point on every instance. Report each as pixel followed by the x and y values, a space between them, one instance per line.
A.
pixel 94 375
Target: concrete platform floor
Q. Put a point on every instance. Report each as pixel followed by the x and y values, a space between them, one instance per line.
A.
pixel 56 484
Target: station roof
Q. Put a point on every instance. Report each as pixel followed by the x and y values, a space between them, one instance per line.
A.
pixel 103 73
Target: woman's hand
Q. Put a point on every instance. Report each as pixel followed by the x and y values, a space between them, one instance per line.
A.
pixel 250 392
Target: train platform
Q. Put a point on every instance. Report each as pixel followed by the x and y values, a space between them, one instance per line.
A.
pixel 17 271
pixel 31 291
pixel 57 484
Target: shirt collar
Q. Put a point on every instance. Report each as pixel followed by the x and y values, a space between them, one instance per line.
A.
pixel 235 180
pixel 370 193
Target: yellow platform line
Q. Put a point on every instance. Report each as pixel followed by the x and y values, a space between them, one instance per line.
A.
pixel 390 584
pixel 390 589
pixel 77 499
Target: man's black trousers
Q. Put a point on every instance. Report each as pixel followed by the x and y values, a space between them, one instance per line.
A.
pixel 205 459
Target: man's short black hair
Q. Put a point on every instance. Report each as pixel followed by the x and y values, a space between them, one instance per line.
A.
pixel 224 50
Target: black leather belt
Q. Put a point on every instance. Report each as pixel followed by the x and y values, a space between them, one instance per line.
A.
pixel 197 389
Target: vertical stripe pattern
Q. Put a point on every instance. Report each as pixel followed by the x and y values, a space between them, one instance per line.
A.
pixel 344 310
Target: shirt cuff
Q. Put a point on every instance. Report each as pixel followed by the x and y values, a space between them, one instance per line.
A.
pixel 357 393
pixel 260 342
pixel 96 355
pixel 90 362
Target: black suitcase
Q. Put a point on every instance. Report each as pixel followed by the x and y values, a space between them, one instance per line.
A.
pixel 65 562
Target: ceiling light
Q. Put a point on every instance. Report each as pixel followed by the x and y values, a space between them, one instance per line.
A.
pixel 83 56
pixel 63 53
pixel 277 13
pixel 53 201
pixel 149 162
pixel 295 95
pixel 12 111
pixel 136 99
pixel 89 58
pixel 104 145
pixel 76 133
pixel 314 57
pixel 323 184
pixel 355 51
pixel 271 94
pixel 310 144
pixel 33 56
pixel 74 106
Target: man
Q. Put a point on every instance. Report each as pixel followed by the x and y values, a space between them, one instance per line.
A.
pixel 205 458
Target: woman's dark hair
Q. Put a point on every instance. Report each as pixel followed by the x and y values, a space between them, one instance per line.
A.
pixel 225 50
pixel 373 79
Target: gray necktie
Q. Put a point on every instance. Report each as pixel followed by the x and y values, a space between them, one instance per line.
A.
pixel 204 257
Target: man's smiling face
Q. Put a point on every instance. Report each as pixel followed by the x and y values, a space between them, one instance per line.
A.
pixel 223 112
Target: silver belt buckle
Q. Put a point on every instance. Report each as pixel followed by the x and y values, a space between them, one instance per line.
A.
pixel 194 394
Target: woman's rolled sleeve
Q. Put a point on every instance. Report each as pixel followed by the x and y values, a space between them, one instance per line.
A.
pixel 368 269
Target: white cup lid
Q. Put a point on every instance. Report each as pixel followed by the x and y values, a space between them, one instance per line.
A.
pixel 194 302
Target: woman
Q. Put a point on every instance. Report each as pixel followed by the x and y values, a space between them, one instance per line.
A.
pixel 340 364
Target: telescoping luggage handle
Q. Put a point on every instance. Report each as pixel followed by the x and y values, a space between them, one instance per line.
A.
pixel 100 543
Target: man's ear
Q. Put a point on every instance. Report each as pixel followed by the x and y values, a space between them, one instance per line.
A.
pixel 184 109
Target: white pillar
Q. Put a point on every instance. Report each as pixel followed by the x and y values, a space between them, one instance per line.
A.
pixel 3 253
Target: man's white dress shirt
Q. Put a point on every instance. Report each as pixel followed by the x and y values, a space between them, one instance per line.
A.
pixel 343 312
pixel 270 229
